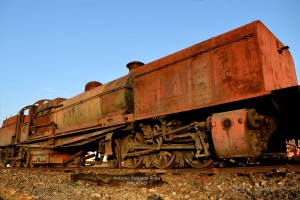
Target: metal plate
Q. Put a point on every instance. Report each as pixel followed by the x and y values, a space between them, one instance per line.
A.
pixel 240 64
pixel 230 134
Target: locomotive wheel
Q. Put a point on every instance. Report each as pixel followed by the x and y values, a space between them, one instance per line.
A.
pixel 27 159
pixel 189 157
pixel 12 162
pixel 114 163
pixel 18 163
pixel 132 162
pixel 2 162
pixel 163 159
pixel 3 159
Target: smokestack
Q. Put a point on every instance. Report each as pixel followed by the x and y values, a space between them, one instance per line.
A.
pixel 134 65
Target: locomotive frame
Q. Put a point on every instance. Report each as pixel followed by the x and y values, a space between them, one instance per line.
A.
pixel 232 97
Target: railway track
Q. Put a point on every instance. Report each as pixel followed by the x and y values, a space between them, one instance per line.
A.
pixel 252 182
pixel 213 170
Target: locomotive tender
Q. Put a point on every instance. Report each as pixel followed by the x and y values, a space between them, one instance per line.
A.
pixel 234 96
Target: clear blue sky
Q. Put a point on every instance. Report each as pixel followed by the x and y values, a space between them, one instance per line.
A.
pixel 52 48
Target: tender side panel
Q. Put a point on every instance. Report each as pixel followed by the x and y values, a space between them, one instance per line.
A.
pixel 224 69
pixel 278 65
pixel 237 72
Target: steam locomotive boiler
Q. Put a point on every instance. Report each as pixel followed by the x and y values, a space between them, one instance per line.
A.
pixel 232 97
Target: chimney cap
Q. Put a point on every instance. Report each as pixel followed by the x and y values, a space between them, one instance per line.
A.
pixel 134 65
pixel 91 85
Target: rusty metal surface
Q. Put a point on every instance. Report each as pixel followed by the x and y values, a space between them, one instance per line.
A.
pixel 239 64
pixel 10 121
pixel 134 65
pixel 103 122
pixel 278 66
pixel 231 137
pixel 106 100
pixel 7 132
pixel 70 140
pixel 40 156
pixel 92 85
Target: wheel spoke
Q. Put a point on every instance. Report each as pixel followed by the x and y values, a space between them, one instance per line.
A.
pixel 12 163
pixel 27 159
pixel 196 162
pixel 132 162
pixel 163 159
pixel 12 157
pixel 18 163
pixel 114 162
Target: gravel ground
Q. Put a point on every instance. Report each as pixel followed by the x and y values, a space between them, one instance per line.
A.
pixel 53 185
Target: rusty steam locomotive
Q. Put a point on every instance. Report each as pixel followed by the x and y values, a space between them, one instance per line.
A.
pixel 232 97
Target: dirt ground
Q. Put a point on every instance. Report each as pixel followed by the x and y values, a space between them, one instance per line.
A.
pixel 53 185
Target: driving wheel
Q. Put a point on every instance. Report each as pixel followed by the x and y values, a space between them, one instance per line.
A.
pixel 134 161
pixel 190 158
pixel 163 159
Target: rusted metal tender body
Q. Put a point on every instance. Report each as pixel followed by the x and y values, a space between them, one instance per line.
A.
pixel 244 63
